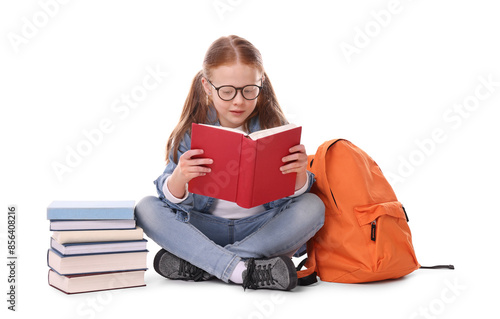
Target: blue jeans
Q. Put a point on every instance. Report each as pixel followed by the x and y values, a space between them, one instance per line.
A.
pixel 216 244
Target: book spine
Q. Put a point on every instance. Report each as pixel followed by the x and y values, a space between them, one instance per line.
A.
pixel 96 263
pixel 246 173
pixel 102 224
pixel 82 236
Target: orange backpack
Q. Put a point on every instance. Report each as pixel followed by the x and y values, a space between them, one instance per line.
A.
pixel 365 236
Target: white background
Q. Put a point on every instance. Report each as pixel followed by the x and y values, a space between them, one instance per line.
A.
pixel 410 66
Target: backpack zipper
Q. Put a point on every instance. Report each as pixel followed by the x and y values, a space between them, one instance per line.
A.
pixel 406 215
pixel 374 230
pixel 334 199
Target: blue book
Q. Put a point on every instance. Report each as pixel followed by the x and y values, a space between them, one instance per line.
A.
pixel 86 210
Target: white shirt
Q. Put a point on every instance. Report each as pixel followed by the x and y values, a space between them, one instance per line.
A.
pixel 224 208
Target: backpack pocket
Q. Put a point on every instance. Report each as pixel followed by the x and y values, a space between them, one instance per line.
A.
pixel 388 237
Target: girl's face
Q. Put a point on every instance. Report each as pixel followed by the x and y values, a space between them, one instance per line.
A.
pixel 232 113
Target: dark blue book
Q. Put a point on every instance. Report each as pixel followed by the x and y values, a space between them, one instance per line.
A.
pixel 90 210
pixel 98 247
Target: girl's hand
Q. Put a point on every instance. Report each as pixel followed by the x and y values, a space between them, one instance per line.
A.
pixel 296 162
pixel 187 169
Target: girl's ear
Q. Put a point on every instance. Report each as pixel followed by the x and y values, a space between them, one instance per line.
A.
pixel 206 86
pixel 265 79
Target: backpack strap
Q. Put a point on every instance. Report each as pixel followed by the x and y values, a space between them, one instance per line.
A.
pixel 309 279
pixel 307 276
pixel 319 162
pixel 317 166
pixel 438 267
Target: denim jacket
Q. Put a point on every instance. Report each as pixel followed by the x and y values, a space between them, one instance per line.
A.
pixel 202 203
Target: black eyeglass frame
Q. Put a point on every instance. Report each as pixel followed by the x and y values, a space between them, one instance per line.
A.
pixel 236 90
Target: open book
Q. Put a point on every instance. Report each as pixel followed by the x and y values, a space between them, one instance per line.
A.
pixel 246 168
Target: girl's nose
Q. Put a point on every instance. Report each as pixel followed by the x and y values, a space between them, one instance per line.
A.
pixel 238 99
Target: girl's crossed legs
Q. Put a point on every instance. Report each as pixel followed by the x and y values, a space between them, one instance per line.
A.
pixel 217 245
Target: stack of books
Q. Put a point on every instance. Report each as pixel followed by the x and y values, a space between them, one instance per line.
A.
pixel 95 246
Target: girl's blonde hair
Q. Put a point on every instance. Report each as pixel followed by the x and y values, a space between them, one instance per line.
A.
pixel 197 107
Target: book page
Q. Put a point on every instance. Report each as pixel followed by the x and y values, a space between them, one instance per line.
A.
pixel 235 130
pixel 275 130
pixel 258 134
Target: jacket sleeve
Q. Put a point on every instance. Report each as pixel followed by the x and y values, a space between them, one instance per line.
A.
pixel 187 204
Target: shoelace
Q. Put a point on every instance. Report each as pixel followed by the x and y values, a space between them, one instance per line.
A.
pixel 190 271
pixel 257 275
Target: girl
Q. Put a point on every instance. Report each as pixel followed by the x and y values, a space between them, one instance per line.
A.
pixel 203 237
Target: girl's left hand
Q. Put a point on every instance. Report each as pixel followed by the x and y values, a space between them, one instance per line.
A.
pixel 296 162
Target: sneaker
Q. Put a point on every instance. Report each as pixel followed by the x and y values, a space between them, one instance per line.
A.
pixel 172 267
pixel 270 273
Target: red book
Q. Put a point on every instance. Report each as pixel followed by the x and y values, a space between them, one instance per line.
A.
pixel 246 167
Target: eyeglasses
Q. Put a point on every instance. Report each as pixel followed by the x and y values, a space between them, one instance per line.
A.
pixel 228 92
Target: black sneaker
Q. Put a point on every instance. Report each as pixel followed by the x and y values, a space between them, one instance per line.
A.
pixel 172 267
pixel 270 273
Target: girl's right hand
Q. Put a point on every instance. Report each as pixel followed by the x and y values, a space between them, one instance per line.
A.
pixel 187 169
